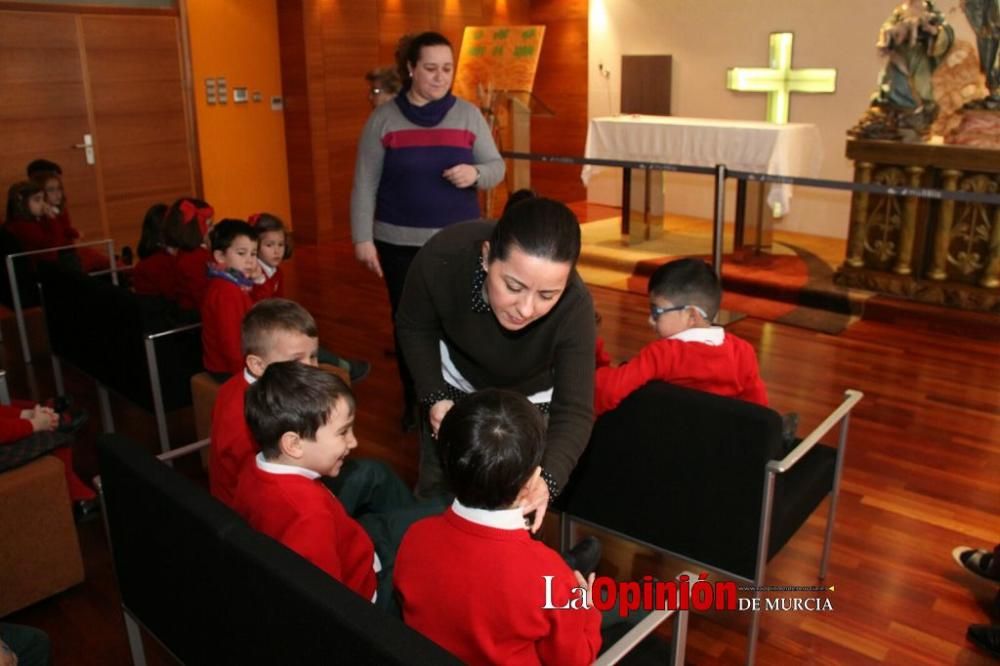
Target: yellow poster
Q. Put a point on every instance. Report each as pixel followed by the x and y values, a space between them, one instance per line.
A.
pixel 498 58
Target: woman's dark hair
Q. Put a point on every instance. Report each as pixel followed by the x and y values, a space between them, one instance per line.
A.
pixel 291 397
pixel 41 166
pixel 517 197
pixel 151 238
pixel 541 227
pixel 490 443
pixel 181 229
pixel 17 200
pixel 266 222
pixel 411 51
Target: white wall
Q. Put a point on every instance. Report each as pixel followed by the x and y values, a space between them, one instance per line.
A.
pixel 707 37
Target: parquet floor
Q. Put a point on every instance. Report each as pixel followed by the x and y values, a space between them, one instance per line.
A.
pixel 922 475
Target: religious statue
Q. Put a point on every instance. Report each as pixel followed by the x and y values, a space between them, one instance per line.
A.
pixel 984 17
pixel 914 39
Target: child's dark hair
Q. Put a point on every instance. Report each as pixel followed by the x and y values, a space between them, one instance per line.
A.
pixel 688 282
pixel 412 49
pixel 39 166
pixel 227 231
pixel 292 397
pixel 491 442
pixel 17 200
pixel 183 228
pixel 151 238
pixel 271 315
pixel 266 223
pixel 541 227
pixel 385 79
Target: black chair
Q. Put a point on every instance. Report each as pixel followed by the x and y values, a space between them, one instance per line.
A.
pixel 141 347
pixel 705 478
pixel 214 591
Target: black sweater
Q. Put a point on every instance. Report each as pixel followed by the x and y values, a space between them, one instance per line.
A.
pixel 557 351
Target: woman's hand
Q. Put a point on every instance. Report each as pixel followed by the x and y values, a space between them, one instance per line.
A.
pixel 534 497
pixel 461 175
pixel 42 418
pixel 366 253
pixel 436 415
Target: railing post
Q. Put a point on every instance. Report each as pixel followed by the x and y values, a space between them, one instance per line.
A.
pixel 15 295
pixel 719 215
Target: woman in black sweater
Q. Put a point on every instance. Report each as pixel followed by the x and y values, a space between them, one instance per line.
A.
pixel 501 305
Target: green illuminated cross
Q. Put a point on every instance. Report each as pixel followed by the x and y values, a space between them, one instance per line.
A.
pixel 780 80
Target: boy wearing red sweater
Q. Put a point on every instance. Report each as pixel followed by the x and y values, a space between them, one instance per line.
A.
pixel 303 420
pixel 472 579
pixel 273 331
pixel 227 297
pixel 684 297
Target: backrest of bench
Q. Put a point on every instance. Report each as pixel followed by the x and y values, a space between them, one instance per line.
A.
pixel 682 470
pixel 100 328
pixel 213 590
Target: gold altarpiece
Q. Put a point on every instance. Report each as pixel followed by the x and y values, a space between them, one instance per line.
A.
pixel 932 250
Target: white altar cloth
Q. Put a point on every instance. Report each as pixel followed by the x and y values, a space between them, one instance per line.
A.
pixel 793 149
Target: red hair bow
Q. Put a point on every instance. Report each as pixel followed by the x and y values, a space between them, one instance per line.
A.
pixel 191 212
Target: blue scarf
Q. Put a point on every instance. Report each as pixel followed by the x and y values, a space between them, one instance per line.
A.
pixel 231 274
pixel 428 115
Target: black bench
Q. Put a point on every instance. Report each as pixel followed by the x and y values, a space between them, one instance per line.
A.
pixel 705 478
pixel 141 347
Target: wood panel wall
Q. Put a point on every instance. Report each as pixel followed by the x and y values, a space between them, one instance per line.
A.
pixel 326 48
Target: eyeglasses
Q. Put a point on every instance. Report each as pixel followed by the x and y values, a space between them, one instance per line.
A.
pixel 655 310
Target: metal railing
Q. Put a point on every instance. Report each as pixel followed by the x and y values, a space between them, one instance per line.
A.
pixel 16 294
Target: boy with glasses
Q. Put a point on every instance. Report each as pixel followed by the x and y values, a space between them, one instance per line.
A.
pixel 684 297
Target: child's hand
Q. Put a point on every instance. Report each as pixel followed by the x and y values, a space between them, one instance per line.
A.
pixel 587 584
pixel 42 418
pixel 438 412
pixel 256 273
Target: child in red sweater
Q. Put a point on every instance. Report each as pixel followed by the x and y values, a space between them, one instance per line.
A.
pixel 186 229
pixel 303 418
pixel 156 272
pixel 473 580
pixel 684 297
pixel 227 297
pixel 27 432
pixel 273 247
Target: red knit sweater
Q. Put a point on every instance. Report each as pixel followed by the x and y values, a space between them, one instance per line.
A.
pixel 232 447
pixel 729 369
pixel 12 426
pixel 222 313
pixel 304 516
pixel 272 287
pixel 156 275
pixel 478 591
pixel 192 277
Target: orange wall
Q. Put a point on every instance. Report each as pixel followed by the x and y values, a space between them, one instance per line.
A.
pixel 242 146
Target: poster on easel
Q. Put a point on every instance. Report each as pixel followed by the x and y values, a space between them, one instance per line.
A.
pixel 497 58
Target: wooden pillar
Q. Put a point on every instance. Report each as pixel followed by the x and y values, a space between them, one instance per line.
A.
pixel 859 214
pixel 942 235
pixel 908 232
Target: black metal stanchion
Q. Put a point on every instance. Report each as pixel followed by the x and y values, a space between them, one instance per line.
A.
pixel 724 317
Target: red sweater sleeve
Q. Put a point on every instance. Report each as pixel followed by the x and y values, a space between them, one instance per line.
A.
pixel 612 385
pixel 753 389
pixel 601 357
pixel 314 537
pixel 31 235
pixel 12 426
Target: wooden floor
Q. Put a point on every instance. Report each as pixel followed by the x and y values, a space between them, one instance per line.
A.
pixel 922 475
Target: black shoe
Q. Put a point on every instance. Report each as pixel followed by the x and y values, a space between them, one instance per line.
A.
pixel 584 556
pixel 985 637
pixel 359 369
pixel 789 426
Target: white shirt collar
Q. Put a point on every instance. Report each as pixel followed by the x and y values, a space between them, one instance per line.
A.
pixel 247 376
pixel 268 270
pixel 501 519
pixel 278 468
pixel 712 336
